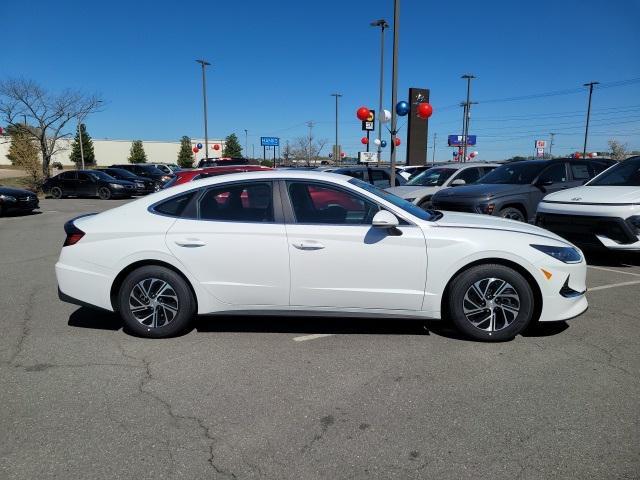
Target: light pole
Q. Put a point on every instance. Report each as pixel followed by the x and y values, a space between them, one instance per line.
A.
pixel 433 158
pixel 586 129
pixel 204 64
pixel 81 118
pixel 394 89
pixel 467 114
pixel 337 149
pixel 246 136
pixel 382 23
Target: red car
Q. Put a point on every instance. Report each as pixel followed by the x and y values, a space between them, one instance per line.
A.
pixel 184 176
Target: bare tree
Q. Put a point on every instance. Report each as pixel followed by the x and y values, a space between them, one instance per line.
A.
pixel 618 150
pixel 25 102
pixel 307 148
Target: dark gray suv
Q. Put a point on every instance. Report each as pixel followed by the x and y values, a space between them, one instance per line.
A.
pixel 514 190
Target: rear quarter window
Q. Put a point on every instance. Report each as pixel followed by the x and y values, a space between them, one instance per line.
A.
pixel 174 206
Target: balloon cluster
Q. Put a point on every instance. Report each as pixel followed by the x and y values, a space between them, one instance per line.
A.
pixel 424 110
pixel 473 154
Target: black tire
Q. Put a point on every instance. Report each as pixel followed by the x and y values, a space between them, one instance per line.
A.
pixel 152 277
pixel 512 213
pixel 496 321
pixel 425 203
pixel 104 193
pixel 3 210
pixel 56 192
pixel 156 187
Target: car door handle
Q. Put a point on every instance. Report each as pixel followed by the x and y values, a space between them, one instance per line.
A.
pixel 190 243
pixel 308 245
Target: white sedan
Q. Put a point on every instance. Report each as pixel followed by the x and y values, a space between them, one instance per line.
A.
pixel 287 242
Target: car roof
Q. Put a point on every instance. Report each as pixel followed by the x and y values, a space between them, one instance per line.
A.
pixel 461 165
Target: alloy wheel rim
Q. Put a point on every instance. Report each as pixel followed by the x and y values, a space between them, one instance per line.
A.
pixel 104 193
pixel 153 303
pixel 491 304
pixel 514 216
pixel 56 192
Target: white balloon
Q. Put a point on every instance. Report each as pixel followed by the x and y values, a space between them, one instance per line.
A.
pixel 475 154
pixel 386 116
pixel 377 141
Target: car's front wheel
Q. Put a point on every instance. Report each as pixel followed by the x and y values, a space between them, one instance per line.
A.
pixel 104 193
pixel 156 302
pixel 512 213
pixel 491 302
pixel 56 192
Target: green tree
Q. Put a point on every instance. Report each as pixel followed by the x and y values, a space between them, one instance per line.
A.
pixel 87 148
pixel 232 147
pixel 136 153
pixel 185 155
pixel 24 153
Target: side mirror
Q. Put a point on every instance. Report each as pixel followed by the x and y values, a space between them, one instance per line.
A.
pixel 457 182
pixel 385 219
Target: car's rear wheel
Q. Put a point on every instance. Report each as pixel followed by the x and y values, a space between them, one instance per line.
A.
pixel 156 302
pixel 104 193
pixel 56 192
pixel 512 213
pixel 491 302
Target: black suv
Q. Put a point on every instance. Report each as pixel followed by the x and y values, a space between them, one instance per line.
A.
pixel 147 171
pixel 143 185
pixel 88 183
pixel 378 176
pixel 514 190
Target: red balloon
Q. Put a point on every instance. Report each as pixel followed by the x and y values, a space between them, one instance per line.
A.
pixel 363 113
pixel 397 141
pixel 343 154
pixel 425 110
pixel 577 155
pixel 195 149
pixel 364 140
pixel 216 147
pixel 1 130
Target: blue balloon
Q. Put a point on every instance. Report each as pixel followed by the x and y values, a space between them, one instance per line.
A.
pixel 199 146
pixel 383 143
pixel 455 154
pixel 402 108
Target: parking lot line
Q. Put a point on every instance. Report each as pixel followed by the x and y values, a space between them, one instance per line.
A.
pixel 304 338
pixel 614 270
pixel 614 285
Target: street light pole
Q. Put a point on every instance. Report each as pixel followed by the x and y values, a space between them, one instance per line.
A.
pixel 80 138
pixel 204 64
pixel 433 158
pixel 246 136
pixel 382 23
pixel 586 129
pixel 394 89
pixel 337 152
pixel 467 114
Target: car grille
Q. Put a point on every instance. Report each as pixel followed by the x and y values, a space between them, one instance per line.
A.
pixel 583 229
pixel 28 200
pixel 452 206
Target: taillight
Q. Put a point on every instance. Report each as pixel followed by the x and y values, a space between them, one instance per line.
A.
pixel 74 234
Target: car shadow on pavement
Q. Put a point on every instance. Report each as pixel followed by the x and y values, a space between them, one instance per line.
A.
pixel 95 319
pixel 606 258
pixel 19 214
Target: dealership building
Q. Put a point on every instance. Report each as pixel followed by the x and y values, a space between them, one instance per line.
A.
pixel 109 151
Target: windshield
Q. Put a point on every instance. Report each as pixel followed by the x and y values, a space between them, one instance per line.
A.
pixel 120 171
pixel 514 173
pixel 408 207
pixel 624 174
pixel 150 169
pixel 434 177
pixel 101 175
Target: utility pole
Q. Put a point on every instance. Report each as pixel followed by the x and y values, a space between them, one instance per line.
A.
pixel 394 89
pixel 551 143
pixel 382 23
pixel 337 149
pixel 310 125
pixel 467 113
pixel 586 129
pixel 204 64
pixel 433 158
pixel 80 137
pixel 246 136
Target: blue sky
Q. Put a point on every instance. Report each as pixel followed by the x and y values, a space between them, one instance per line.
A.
pixel 275 65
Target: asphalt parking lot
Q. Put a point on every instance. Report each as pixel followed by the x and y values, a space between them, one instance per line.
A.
pixel 272 398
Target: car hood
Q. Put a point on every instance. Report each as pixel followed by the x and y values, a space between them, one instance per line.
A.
pixel 121 182
pixel 482 190
pixel 408 191
pixel 14 191
pixel 488 222
pixel 596 194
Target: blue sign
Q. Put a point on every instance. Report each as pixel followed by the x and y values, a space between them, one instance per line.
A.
pixel 269 141
pixel 456 140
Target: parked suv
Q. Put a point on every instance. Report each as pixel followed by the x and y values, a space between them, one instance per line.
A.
pixel 148 171
pixel 88 183
pixel 514 190
pixel 378 176
pixel 144 185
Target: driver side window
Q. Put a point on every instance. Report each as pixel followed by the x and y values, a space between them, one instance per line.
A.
pixel 322 204
pixel 555 174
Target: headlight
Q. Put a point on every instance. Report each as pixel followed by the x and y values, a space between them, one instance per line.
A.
pixel 115 185
pixel 139 185
pixel 7 198
pixel 486 208
pixel 564 254
pixel 166 178
pixel 635 223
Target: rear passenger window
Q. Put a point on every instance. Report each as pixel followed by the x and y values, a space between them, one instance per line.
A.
pixel 240 202
pixel 580 171
pixel 469 175
pixel 174 207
